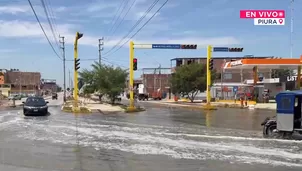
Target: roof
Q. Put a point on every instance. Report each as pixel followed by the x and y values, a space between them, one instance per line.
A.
pixel 225 57
pixel 295 92
pixel 249 64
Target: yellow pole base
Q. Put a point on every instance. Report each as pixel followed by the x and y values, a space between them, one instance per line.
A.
pixel 131 109
pixel 209 107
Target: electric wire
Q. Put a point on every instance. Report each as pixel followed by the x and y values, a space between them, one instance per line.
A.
pixel 120 20
pixel 37 18
pixel 134 26
pixel 115 16
pixel 52 17
pixel 139 28
pixel 49 22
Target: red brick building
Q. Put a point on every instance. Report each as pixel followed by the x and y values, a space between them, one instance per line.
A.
pixel 22 82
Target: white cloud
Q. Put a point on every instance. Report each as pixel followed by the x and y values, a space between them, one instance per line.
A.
pixel 25 29
pixel 26 10
pixel 8 50
pixel 13 9
pixel 138 15
pixel 96 7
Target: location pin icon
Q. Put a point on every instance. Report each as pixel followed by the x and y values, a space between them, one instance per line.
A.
pixel 280 21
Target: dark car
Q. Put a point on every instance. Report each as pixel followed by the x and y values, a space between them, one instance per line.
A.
pixel 54 96
pixel 35 106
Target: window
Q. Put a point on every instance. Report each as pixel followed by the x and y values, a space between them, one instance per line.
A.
pixel 178 62
pixel 285 103
pixel 227 76
pixel 6 86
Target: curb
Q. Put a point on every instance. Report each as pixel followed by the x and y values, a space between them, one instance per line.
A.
pixel 198 106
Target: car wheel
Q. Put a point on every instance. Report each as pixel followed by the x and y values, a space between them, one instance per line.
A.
pixel 25 113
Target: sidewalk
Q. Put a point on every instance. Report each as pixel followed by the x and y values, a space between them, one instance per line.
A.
pixel 198 104
pixel 96 106
pixel 271 106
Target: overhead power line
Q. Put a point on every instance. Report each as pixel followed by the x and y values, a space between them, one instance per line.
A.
pixel 37 18
pixel 115 16
pixel 140 28
pixel 114 30
pixel 49 22
pixel 52 17
pixel 133 27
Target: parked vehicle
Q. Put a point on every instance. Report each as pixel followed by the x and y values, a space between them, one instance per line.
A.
pixel 287 123
pixel 54 96
pixel 35 106
pixel 15 97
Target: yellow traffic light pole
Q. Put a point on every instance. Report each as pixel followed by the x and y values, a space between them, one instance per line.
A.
pixel 299 78
pixel 75 91
pixel 131 77
pixel 209 56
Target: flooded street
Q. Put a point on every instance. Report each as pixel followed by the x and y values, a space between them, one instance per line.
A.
pixel 158 139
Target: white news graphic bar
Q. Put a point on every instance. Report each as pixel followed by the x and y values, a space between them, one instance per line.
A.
pixel 142 46
pixel 269 21
pixel 149 46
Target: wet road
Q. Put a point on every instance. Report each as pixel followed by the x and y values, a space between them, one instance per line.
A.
pixel 158 139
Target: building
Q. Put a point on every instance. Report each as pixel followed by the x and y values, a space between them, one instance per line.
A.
pixel 14 82
pixel 48 85
pixel 153 82
pixel 223 85
pixel 227 77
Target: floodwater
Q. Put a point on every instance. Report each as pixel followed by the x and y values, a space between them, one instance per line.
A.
pixel 158 139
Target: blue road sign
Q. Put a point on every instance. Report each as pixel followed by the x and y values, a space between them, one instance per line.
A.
pixel 220 49
pixel 165 46
pixel 235 88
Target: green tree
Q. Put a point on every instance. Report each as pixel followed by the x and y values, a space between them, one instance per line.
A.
pixel 59 88
pixel 188 80
pixel 276 73
pixel 107 80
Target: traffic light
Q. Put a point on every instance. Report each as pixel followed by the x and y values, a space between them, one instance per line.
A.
pixel 76 64
pixel 235 49
pixel 79 35
pixel 188 46
pixel 211 64
pixel 134 64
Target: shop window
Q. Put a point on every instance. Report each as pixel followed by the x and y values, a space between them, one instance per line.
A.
pixel 227 76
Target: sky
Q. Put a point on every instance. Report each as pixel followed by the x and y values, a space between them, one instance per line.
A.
pixel 200 22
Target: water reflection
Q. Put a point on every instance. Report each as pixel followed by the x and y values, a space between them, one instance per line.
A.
pixel 223 117
pixel 208 116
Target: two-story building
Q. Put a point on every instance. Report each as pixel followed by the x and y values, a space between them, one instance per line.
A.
pixel 14 82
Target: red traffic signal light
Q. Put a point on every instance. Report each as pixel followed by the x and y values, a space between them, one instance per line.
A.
pixel 134 64
pixel 189 46
pixel 235 49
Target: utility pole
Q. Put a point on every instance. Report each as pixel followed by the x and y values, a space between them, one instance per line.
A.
pixel 20 84
pixel 69 79
pixel 101 43
pixel 291 27
pixel 160 78
pixel 62 41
